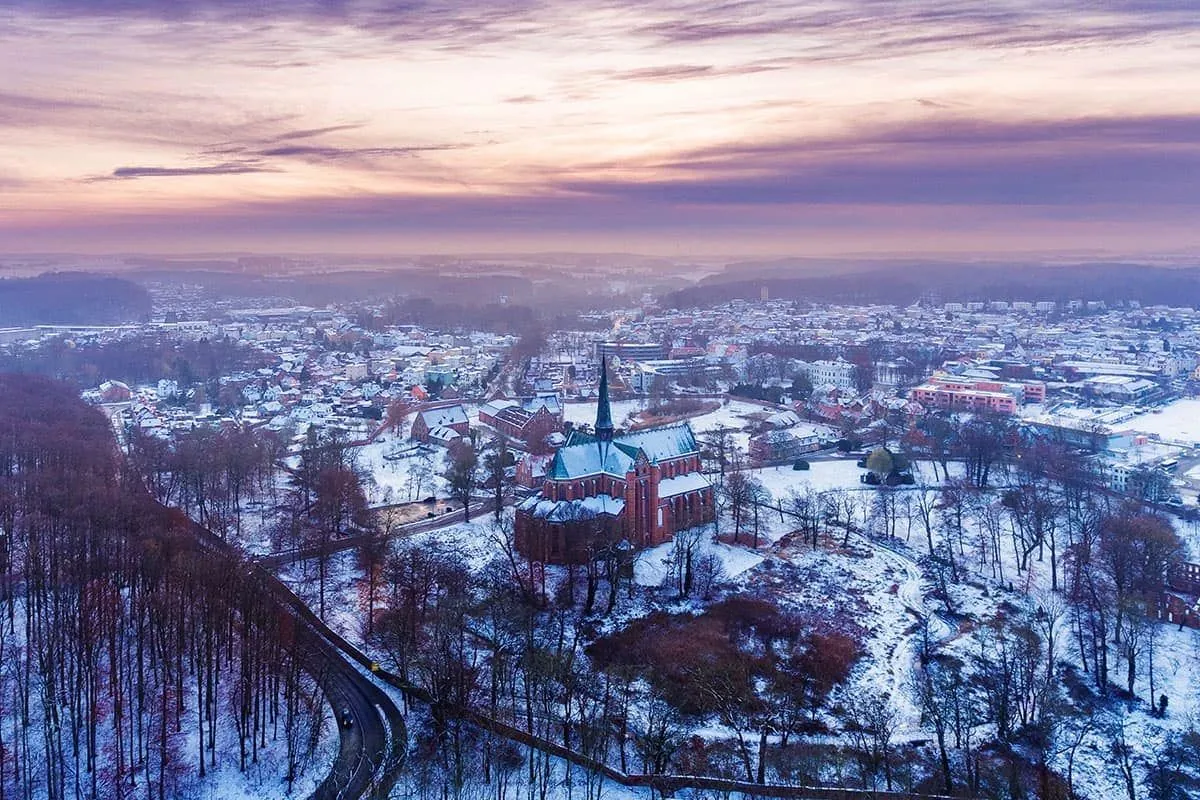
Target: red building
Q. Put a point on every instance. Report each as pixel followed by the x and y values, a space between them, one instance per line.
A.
pixel 602 490
pixel 521 418
pixel 441 425
pixel 1181 602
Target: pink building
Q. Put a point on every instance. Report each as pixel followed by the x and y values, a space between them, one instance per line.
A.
pixel 965 394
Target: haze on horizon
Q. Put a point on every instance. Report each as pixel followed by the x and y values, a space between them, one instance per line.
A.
pixel 658 126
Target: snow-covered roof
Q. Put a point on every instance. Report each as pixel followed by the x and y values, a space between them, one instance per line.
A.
pixel 784 419
pixel 494 407
pixel 568 510
pixel 591 458
pixel 442 434
pixel 446 416
pixel 661 444
pixel 585 456
pixel 682 484
pixel 548 401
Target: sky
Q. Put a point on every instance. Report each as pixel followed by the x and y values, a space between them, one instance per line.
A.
pixel 661 126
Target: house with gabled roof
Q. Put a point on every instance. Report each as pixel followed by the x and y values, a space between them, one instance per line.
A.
pixel 519 418
pixel 604 490
pixel 441 424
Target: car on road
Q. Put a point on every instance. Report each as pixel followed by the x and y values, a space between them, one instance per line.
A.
pixel 346 718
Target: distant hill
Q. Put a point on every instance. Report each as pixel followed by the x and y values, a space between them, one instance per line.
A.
pixel 71 298
pixel 902 283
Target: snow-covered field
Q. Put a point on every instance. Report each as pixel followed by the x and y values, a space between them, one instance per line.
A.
pixel 821 476
pixel 732 414
pixel 1178 421
pixel 585 413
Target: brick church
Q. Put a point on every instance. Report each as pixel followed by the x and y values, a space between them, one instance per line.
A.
pixel 602 489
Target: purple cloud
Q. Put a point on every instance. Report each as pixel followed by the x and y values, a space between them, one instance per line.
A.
pixel 129 173
pixel 330 153
pixel 917 25
pixel 1149 161
pixel 1114 168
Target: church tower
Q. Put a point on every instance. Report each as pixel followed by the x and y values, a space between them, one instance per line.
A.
pixel 604 423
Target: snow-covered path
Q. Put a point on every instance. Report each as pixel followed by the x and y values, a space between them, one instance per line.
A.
pixel 903 659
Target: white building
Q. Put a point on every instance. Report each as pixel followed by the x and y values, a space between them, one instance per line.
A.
pixel 839 373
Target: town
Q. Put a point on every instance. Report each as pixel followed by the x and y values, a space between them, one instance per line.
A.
pixel 858 510
pixel 599 400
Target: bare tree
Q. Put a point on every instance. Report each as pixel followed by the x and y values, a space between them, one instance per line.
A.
pixel 934 686
pixel 718 447
pixel 682 562
pixel 805 507
pixel 738 493
pixel 462 474
pixel 397 414
pixel 420 474
pixel 659 737
pixel 873 726
pixel 496 469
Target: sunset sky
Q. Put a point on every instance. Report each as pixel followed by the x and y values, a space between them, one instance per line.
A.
pixel 666 126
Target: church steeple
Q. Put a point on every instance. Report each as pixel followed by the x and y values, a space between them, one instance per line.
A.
pixel 604 424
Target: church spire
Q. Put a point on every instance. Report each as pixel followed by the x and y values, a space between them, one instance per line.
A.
pixel 604 424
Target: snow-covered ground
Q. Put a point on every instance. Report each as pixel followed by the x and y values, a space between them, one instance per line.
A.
pixel 1178 421
pixel 825 475
pixel 398 471
pixel 821 476
pixel 890 589
pixel 881 587
pixel 652 565
pixel 732 414
pixel 1176 655
pixel 265 779
pixel 585 413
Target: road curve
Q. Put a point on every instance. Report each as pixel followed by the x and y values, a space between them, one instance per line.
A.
pixel 371 753
pixel 372 746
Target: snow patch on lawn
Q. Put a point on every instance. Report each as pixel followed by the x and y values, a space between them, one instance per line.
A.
pixel 653 564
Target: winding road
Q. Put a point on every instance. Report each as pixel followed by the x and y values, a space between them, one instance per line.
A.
pixel 372 747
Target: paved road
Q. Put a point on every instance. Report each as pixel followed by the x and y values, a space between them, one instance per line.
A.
pixel 371 754
pixel 372 746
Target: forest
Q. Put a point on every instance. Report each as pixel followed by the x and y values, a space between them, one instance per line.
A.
pixel 145 357
pixel 133 660
pixel 905 283
pixel 71 298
